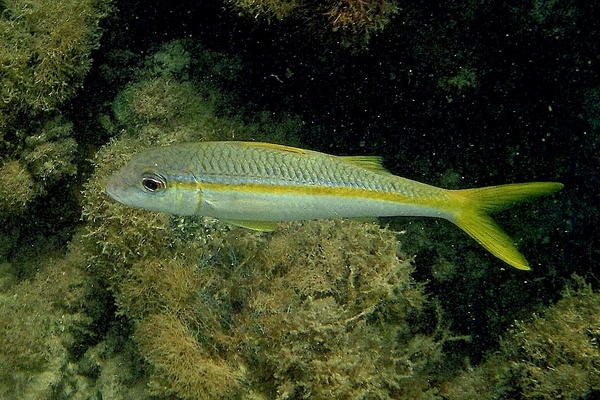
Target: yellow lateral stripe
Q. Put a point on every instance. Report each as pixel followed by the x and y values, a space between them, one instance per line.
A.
pixel 441 202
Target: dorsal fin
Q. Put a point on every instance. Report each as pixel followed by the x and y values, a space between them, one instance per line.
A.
pixel 274 146
pixel 372 163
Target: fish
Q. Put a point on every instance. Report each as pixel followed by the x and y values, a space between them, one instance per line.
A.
pixel 256 185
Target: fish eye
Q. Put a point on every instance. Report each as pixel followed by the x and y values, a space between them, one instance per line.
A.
pixel 153 182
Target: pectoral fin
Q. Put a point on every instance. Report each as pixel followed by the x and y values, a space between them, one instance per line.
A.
pixel 262 226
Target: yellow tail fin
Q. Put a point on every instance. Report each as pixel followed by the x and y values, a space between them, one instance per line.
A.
pixel 475 205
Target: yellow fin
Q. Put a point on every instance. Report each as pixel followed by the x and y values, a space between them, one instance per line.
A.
pixel 274 146
pixel 487 233
pixel 497 198
pixel 473 218
pixel 262 226
pixel 372 163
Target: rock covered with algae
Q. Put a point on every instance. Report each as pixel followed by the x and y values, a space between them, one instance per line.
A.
pixel 45 54
pixel 554 355
pixel 42 319
pixel 354 20
pixel 45 49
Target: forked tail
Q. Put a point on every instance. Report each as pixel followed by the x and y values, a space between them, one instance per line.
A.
pixel 475 205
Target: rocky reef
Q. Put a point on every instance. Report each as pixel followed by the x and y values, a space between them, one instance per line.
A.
pixel 554 355
pixel 45 55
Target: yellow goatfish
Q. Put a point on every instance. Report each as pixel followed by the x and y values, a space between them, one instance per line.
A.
pixel 254 185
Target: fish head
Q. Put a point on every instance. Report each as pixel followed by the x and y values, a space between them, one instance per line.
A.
pixel 146 183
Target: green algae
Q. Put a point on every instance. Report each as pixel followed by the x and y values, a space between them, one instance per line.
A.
pixel 352 21
pixel 42 319
pixel 39 157
pixel 554 355
pixel 45 54
pixel 16 187
pixel 45 49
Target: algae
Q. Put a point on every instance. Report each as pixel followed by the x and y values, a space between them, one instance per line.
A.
pixel 42 320
pixel 45 51
pixel 45 54
pixel 40 156
pixel 354 21
pixel 553 355
pixel 16 186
